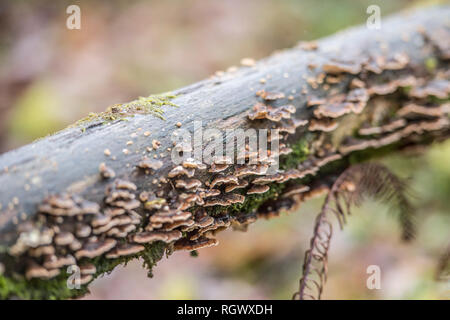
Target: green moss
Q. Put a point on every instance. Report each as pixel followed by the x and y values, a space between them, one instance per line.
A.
pixel 16 286
pixel 143 105
pixel 431 64
pixel 152 255
pixel 406 90
pixel 436 100
pixel 299 153
pixel 193 253
pixel 56 288
pixel 253 201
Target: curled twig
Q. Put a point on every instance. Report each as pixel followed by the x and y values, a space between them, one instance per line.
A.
pixel 350 188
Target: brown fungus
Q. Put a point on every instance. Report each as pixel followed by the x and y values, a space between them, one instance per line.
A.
pixel 116 195
pixel 188 184
pixel 225 200
pixel 100 220
pixel 87 268
pixel 270 95
pixel 439 88
pixel 216 226
pixel 414 110
pixel 123 220
pixel 75 245
pixel 114 212
pixel 389 127
pixel 126 229
pixel 151 236
pixel 188 200
pixel 399 61
pixel 123 184
pixel 315 191
pixel 258 189
pixel 169 216
pixel 357 83
pixel 179 170
pixel 222 160
pixel 176 224
pixel 205 221
pixel 96 248
pixel 308 45
pixel 84 279
pixel 36 271
pixel 392 86
pixel 247 170
pixel 124 250
pixel 55 262
pixel 327 159
pixel 215 168
pixel 41 251
pixel 209 193
pixel 294 190
pixel 83 231
pixel 352 144
pixel 105 171
pixel 284 150
pixel 333 110
pixel 341 67
pixel 65 205
pixel 63 201
pixel 156 144
pixel 315 101
pixel 63 238
pixel 325 125
pixel 232 186
pixel 262 111
pixel 224 180
pixel 195 245
pixel 106 227
pixel 267 179
pixel 150 164
pixel 191 163
pixel 290 175
pixel 127 204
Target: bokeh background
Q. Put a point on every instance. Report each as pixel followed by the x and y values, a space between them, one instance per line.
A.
pixel 51 76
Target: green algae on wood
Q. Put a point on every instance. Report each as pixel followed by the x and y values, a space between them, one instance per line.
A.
pixel 143 105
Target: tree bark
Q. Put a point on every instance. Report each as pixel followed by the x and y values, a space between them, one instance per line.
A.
pixel 346 98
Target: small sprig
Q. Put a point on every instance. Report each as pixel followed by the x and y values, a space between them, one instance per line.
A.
pixel 350 189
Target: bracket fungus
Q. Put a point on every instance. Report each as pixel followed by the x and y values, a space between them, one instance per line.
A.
pixel 150 164
pixel 258 189
pixel 105 171
pixel 195 245
pixel 96 248
pixel 367 100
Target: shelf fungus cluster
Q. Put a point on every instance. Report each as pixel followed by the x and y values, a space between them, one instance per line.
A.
pixel 343 107
pixel 71 230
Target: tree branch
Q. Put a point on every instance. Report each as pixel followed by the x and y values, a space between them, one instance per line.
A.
pixel 106 190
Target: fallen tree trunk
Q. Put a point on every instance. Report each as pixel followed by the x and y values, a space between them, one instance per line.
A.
pixel 107 190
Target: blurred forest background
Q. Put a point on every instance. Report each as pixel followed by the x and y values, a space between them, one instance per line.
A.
pixel 51 76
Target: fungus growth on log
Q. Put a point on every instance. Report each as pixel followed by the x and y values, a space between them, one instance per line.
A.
pixel 350 97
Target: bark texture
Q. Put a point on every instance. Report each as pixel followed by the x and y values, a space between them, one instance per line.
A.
pixel 106 190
